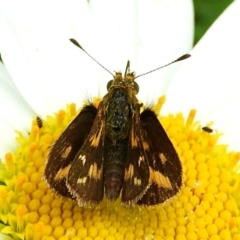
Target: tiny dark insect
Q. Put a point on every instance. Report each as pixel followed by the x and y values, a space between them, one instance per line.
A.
pixel 39 122
pixel 115 151
pixel 207 129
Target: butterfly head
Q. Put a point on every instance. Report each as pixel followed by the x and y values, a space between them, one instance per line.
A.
pixel 124 82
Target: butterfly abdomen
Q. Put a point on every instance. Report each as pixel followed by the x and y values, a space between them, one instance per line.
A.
pixel 114 165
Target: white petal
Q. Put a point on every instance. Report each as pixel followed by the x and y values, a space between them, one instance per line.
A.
pixel 148 33
pixel 226 116
pixel 15 113
pixel 38 54
pixel 50 71
pixel 211 77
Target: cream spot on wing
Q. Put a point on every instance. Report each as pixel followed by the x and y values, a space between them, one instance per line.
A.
pixel 83 159
pixel 96 137
pixel 129 172
pixel 140 159
pixel 66 152
pixel 163 158
pixel 160 179
pixel 137 181
pixel 62 173
pixel 94 172
pixel 82 180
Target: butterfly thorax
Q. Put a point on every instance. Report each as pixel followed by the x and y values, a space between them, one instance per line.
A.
pixel 119 105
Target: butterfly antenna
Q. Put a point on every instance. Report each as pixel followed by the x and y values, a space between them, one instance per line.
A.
pixel 183 57
pixel 78 45
pixel 127 68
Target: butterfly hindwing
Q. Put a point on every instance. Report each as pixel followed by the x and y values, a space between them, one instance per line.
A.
pixel 85 176
pixel 65 149
pixel 164 164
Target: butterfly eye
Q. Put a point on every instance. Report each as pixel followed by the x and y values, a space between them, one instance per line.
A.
pixel 136 87
pixel 109 84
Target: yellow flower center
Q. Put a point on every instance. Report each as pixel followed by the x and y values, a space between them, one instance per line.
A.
pixel 208 206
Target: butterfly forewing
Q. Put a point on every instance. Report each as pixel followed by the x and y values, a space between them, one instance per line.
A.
pixel 85 176
pixel 65 149
pixel 136 177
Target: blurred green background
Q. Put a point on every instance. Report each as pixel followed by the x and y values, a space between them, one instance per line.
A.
pixel 206 12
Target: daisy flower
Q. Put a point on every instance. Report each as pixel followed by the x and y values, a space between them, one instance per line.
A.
pixel 43 71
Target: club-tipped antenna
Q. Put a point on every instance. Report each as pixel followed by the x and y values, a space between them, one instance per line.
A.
pixel 183 57
pixel 78 45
